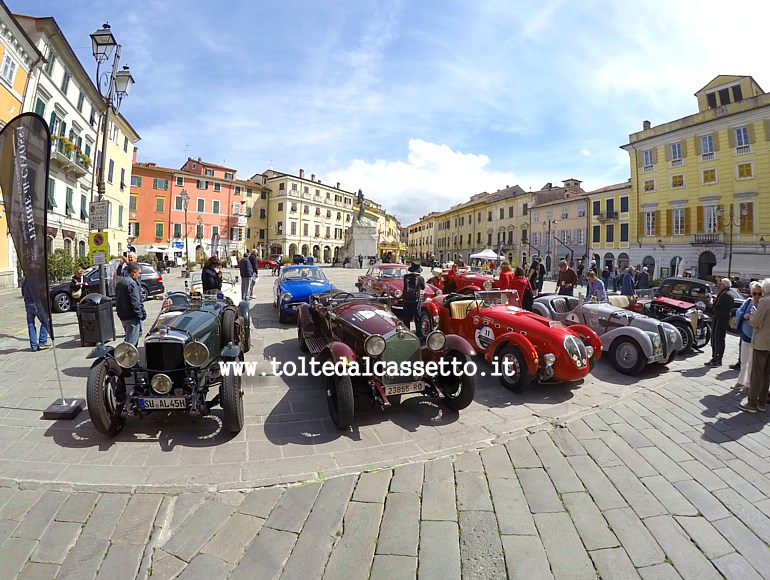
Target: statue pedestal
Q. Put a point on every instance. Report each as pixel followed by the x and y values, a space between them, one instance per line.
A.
pixel 360 240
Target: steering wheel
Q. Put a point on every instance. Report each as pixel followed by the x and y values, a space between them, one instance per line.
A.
pixel 342 296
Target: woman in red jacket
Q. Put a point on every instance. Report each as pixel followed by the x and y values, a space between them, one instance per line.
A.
pixel 451 280
pixel 520 283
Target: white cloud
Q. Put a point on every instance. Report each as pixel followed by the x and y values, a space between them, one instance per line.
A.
pixel 432 178
pixel 585 152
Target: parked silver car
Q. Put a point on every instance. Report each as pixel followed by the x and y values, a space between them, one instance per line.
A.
pixel 633 340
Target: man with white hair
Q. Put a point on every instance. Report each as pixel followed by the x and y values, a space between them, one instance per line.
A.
pixel 760 357
pixel 723 306
pixel 643 279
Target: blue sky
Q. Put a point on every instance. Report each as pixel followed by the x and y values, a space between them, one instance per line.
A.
pixel 420 103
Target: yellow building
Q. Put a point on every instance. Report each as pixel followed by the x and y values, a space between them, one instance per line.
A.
pixel 611 221
pixel 420 237
pixel 18 57
pixel 700 185
pixel 256 195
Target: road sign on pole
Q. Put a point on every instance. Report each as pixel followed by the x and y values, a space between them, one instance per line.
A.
pixel 99 215
pixel 100 249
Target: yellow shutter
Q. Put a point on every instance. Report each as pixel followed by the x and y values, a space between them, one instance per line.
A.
pixel 731 137
pixel 684 148
pixel 654 155
pixel 752 134
pixel 766 123
pixel 669 222
pixel 667 151
pixel 640 226
pixel 698 145
pixel 715 140
pixel 687 226
pixel 699 224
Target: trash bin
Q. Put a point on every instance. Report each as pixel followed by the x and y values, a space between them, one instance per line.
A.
pixel 95 319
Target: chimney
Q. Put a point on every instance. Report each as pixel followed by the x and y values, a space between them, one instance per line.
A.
pixel 302 174
pixel 338 185
pixel 645 125
pixel 199 160
pixel 312 177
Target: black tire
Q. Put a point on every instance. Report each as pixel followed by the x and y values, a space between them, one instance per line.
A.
pixel 228 326
pixel 145 292
pixel 707 332
pixel 688 337
pixel 231 400
pixel 627 356
pixel 460 389
pixel 62 302
pixel 301 337
pixel 510 356
pixel 267 267
pixel 339 397
pixel 282 318
pixel 426 323
pixel 105 396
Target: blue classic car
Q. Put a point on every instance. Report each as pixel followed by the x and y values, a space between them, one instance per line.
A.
pixel 294 287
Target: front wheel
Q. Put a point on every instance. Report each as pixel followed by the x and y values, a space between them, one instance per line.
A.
pixel 459 389
pixel 688 337
pixel 627 356
pixel 339 397
pixel 62 302
pixel 105 395
pixel 231 400
pixel 426 324
pixel 145 292
pixel 228 326
pixel 513 368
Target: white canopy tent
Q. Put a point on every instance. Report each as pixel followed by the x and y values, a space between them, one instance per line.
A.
pixel 486 255
pixel 747 266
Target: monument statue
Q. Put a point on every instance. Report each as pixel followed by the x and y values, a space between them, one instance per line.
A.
pixel 360 205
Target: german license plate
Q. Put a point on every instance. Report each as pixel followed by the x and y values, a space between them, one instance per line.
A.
pixel 165 403
pixel 404 388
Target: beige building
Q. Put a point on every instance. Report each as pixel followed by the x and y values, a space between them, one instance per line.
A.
pixel 421 237
pixel 609 226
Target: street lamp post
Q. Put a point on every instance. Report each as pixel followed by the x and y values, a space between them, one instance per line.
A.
pixel 113 85
pixel 550 244
pixel 733 221
pixel 185 203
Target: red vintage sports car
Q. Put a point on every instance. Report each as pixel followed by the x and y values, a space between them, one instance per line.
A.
pixel 466 282
pixel 389 279
pixel 522 346
pixel 267 264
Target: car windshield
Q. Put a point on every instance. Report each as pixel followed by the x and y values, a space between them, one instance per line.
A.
pixel 393 272
pixel 303 274
pixel 497 297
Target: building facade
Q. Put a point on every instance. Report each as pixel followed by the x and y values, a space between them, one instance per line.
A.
pixel 19 58
pixel 611 228
pixel 701 184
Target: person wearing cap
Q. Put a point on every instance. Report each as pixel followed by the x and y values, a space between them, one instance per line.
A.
pixel 414 285
pixel 722 308
pixel 643 279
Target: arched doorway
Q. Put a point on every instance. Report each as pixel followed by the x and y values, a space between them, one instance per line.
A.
pixel 706 263
pixel 317 252
pixel 327 254
pixel 276 250
pixel 336 254
pixel 676 265
pixel 81 248
pixel 649 263
pixel 68 246
pixel 292 250
pixel 305 250
pixel 623 261
pixel 609 261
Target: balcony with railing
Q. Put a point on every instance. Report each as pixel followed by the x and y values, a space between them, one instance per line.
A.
pixel 607 216
pixel 708 239
pixel 66 157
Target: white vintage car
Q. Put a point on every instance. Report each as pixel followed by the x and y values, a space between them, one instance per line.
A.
pixel 633 340
pixel 231 286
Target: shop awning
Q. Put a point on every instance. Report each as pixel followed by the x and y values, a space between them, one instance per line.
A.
pixel 748 266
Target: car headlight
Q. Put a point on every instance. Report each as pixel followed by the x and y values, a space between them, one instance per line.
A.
pixel 286 297
pixel 589 351
pixel 126 355
pixel 488 285
pixel 196 354
pixel 700 305
pixel 656 341
pixel 549 359
pixel 161 384
pixel 397 294
pixel 374 345
pixel 436 340
pixel 438 292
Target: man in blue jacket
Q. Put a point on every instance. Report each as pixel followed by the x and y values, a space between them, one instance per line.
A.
pixel 128 302
pixel 247 271
pixel 627 283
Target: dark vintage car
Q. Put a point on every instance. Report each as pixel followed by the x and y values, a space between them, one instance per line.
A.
pixel 151 283
pixel 465 282
pixel 357 328
pixel 184 347
pixel 698 291
pixel 633 340
pixel 524 346
pixel 295 286
pixel 383 279
pixel 692 323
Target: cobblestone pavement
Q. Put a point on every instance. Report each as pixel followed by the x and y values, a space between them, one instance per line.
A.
pixel 660 479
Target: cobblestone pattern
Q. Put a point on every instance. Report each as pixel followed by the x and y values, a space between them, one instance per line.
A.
pixel 613 494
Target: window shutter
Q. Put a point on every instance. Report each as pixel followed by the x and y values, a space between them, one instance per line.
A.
pixel 699 218
pixel 63 128
pixel 766 124
pixel 683 144
pixel 667 151
pixel 747 221
pixel 40 107
pixel 752 134
pixel 641 225
pixel 52 122
pixel 698 145
pixel 730 137
pixel 669 222
pixel 657 222
pixel 136 229
pixel 654 155
pixel 715 140
pixel 640 158
pixel 720 223
pixel 687 227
